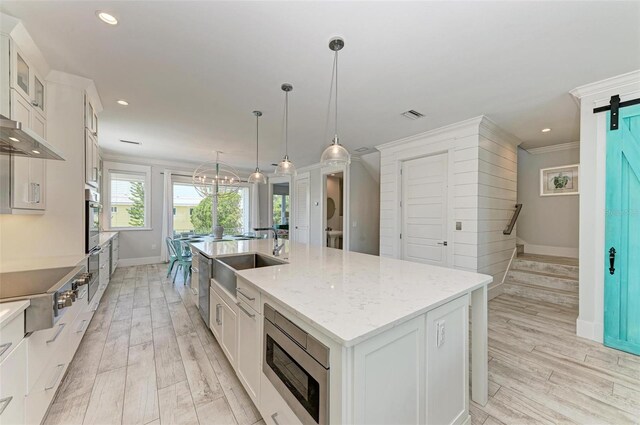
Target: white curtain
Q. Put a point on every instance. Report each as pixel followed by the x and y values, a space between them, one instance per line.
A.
pixel 254 219
pixel 167 214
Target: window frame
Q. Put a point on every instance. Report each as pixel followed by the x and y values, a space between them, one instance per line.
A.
pixel 123 168
pixel 246 217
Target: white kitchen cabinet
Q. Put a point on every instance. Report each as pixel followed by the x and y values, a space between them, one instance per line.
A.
pixel 28 175
pixel 195 274
pixel 13 376
pixel 249 349
pixel 274 409
pixel 115 253
pixel 21 72
pixel 91 158
pixel 90 117
pixel 105 266
pixel 223 322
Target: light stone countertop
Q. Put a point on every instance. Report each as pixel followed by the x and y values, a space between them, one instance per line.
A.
pixel 105 237
pixel 349 296
pixel 10 310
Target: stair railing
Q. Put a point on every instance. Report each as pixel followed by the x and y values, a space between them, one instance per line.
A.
pixel 512 223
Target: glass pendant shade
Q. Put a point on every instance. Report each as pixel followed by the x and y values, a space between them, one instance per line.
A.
pixel 257 177
pixel 285 168
pixel 335 154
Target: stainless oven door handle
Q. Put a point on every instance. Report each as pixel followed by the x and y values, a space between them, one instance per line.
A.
pixel 273 417
pixel 245 311
pixel 60 328
pixel 5 402
pixel 4 347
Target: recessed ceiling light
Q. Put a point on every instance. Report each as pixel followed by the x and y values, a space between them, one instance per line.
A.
pixel 107 18
pixel 14 139
pixel 123 102
pixel 546 130
pixel 36 152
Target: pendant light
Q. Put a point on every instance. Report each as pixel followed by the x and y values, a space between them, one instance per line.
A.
pixel 335 153
pixel 286 167
pixel 257 176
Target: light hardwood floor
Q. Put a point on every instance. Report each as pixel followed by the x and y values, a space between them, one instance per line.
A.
pixel 148 358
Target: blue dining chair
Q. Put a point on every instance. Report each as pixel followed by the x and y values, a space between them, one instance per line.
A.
pixel 183 259
pixel 172 255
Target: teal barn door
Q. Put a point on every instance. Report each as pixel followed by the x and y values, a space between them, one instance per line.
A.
pixel 622 234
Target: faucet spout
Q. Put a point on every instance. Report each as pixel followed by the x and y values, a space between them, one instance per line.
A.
pixel 276 248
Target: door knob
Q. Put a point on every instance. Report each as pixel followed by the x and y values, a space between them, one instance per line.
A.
pixel 612 260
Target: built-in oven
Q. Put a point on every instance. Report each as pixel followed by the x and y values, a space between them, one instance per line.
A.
pixel 297 365
pixel 94 271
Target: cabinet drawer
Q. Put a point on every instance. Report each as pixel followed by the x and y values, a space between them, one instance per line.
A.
pixel 46 344
pixel 13 376
pixel 273 408
pixel 11 335
pixel 77 330
pixel 40 396
pixel 249 295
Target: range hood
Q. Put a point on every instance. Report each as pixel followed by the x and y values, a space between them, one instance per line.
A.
pixel 16 140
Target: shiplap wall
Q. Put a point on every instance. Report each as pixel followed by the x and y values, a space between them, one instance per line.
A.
pixel 482 192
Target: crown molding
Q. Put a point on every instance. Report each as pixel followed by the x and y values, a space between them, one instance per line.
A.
pixel 606 85
pixel 494 129
pixel 470 124
pixel 554 148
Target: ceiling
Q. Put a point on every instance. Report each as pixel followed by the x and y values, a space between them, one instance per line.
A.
pixel 193 72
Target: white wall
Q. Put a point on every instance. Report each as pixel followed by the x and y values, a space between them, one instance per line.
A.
pixel 592 196
pixel 482 192
pixel 364 203
pixel 547 224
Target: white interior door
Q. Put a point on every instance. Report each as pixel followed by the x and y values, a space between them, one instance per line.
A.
pixel 301 218
pixel 424 210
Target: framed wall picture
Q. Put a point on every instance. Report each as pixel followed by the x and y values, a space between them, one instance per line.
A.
pixel 562 180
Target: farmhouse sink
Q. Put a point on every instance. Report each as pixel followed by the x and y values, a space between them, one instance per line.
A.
pixel 225 268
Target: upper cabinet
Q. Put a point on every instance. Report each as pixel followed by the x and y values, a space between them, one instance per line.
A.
pixel 91 151
pixel 23 97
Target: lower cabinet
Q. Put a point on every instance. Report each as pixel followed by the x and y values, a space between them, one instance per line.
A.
pixel 249 349
pixel 13 379
pixel 223 324
pixel 274 409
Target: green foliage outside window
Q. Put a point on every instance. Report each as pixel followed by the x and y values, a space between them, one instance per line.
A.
pixel 136 211
pixel 229 214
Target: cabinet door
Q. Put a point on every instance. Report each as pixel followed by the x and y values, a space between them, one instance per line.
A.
pixel 90 159
pixel 21 75
pixel 37 182
pixel 229 331
pixel 22 192
pixel 249 349
pixel 38 95
pixel 13 375
pixel 215 315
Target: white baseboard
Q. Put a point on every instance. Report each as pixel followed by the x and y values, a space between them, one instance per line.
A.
pixel 141 261
pixel 557 251
pixel 590 330
pixel 495 291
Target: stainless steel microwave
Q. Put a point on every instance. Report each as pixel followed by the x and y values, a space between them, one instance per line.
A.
pixel 297 365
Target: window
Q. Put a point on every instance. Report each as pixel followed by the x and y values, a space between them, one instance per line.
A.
pixel 128 188
pixel 192 212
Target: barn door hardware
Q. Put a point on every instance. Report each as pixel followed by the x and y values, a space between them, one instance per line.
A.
pixel 612 260
pixel 614 106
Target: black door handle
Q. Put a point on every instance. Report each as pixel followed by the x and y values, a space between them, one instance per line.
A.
pixel 612 260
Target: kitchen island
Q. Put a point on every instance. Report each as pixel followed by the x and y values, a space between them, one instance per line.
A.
pixel 395 332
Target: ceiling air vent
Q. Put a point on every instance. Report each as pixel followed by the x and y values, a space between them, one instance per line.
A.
pixel 362 149
pixel 412 115
pixel 131 142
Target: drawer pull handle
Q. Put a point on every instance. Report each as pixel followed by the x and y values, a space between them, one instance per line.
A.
pixel 81 327
pixel 274 416
pixel 60 328
pixel 5 402
pixel 246 311
pixel 218 320
pixel 60 368
pixel 4 347
pixel 245 295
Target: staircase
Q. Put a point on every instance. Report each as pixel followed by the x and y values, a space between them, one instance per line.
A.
pixel 544 278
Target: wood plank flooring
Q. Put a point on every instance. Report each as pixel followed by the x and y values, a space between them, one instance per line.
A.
pixel 148 358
